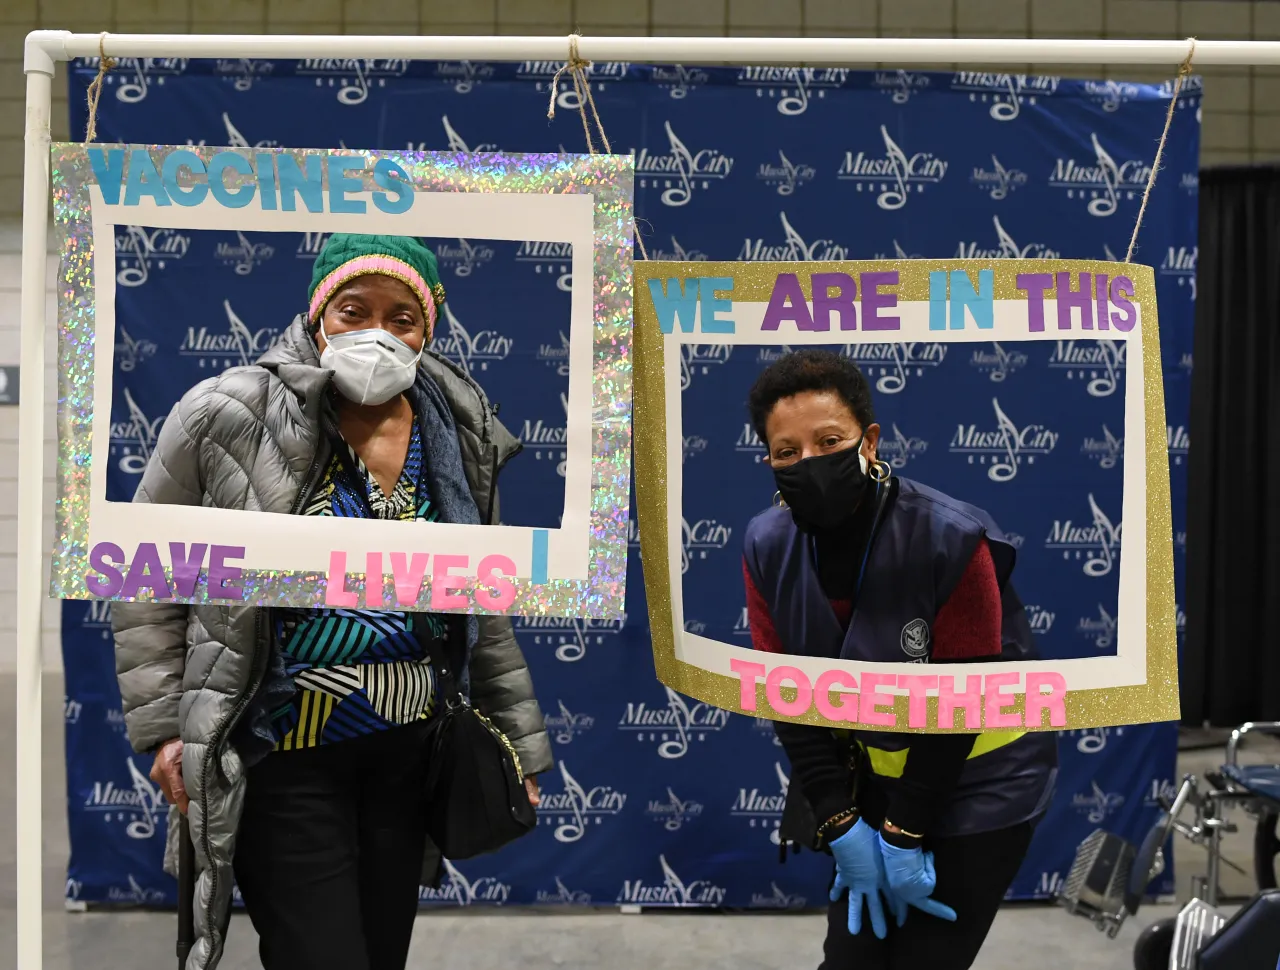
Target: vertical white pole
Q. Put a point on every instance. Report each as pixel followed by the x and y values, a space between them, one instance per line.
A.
pixel 31 590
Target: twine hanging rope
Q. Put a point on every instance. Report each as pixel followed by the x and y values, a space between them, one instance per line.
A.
pixel 105 64
pixel 1184 71
pixel 576 67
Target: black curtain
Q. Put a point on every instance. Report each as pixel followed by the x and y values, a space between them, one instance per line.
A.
pixel 1230 669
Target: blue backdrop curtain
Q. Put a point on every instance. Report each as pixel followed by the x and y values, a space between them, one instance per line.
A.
pixel 656 799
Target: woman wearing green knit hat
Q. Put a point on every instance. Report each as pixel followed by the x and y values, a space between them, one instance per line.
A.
pixel 315 807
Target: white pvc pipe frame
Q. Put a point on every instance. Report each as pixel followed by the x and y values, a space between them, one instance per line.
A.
pixel 44 48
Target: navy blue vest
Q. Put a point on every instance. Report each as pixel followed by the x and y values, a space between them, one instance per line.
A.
pixel 920 547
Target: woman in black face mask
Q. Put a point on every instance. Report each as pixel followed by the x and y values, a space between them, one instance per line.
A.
pixel 927 831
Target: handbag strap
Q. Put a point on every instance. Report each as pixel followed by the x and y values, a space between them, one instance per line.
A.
pixel 446 682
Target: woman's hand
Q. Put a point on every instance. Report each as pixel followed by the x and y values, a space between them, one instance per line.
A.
pixel 911 877
pixel 860 870
pixel 531 786
pixel 166 771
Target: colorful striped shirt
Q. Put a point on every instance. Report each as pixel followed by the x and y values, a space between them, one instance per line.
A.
pixel 357 671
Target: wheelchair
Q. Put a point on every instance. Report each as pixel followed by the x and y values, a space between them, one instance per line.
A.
pixel 1109 878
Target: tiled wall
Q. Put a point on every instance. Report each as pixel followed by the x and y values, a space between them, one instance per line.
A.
pixel 1241 114
pixel 1242 106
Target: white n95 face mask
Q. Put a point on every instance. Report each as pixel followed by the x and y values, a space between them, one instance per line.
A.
pixel 369 366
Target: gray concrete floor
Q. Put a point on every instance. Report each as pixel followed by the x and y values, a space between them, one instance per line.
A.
pixel 577 941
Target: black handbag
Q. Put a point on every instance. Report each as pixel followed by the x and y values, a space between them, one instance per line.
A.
pixel 476 801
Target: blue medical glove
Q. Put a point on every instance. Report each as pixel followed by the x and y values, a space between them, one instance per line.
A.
pixel 911 878
pixel 860 870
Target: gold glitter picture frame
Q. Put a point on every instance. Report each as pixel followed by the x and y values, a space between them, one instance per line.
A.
pixel 762 304
pixel 577 569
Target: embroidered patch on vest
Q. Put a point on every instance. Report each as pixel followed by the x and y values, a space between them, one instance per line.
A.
pixel 915 638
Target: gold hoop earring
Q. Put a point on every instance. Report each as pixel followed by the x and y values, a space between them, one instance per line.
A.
pixel 883 468
pixel 778 502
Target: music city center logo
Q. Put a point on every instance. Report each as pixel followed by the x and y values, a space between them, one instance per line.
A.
pixel 1100 363
pixel 354 77
pixel 1096 545
pixel 1005 93
pixel 471 352
pixel 243 72
pixel 133 77
pixel 555 259
pixel 893 365
pixel 1039 619
pixel 545 440
pixel 677 253
pixel 237 346
pixel 998 362
pixel 998 182
pixel 570 635
pixel 793 247
pixel 456 142
pixel 1111 95
pixel 576 808
pixel 700 359
pixel 464 256
pixel 235 138
pixel 243 255
pixel 1006 448
pixel 1107 450
pixel 1101 182
pixel 749 443
pixel 678 80
pixel 763 809
pixel 673 891
pixel 673 727
pixel 556 355
pixel 900 85
pixel 1005 248
pixel 138 808
pixel 793 88
pixel 545 73
pixel 135 894
pixel 898 449
pixel 694 445
pixel 566 725
pixel 1093 740
pixel 1097 805
pixel 97 617
pixel 456 889
pixel 763 726
pixel 681 171
pixel 700 537
pixel 1099 630
pixel 673 812
pixel 786 176
pixel 777 899
pixel 1161 793
pixel 133 437
pixel 71 710
pixel 130 352
pixel 463 76
pixel 562 896
pixel 1179 263
pixel 895 175
pixel 141 251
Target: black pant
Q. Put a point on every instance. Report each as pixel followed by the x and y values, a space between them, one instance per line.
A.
pixel 330 849
pixel 974 873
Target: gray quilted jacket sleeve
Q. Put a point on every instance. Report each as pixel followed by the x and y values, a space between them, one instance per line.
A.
pixel 151 638
pixel 502 689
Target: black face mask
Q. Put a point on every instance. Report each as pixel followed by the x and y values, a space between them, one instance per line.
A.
pixel 823 492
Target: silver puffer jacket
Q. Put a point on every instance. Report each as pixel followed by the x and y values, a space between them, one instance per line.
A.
pixel 248 439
